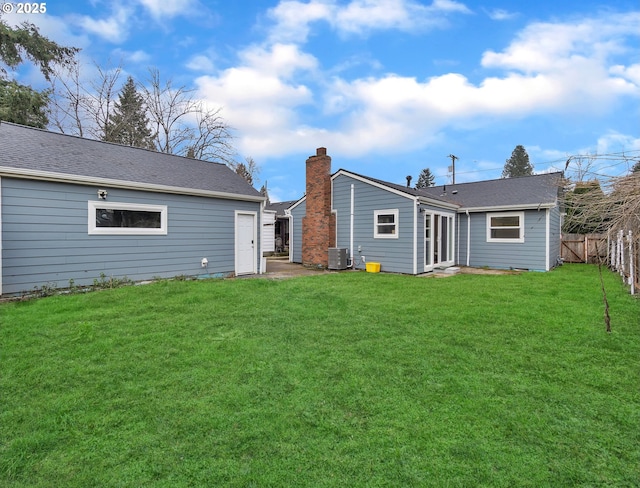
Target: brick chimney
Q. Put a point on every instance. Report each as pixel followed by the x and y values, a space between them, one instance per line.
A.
pixel 319 224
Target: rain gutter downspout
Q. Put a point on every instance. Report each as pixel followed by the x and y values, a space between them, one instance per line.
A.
pixel 468 237
pixel 261 258
pixel 351 226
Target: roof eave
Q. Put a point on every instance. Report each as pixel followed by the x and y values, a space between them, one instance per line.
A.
pixel 410 196
pixel 499 208
pixel 131 185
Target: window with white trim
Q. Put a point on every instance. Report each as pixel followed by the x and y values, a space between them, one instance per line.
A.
pixel 505 227
pixel 115 218
pixel 385 224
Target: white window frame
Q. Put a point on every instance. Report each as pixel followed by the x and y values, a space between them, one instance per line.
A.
pixel 515 240
pixel 126 231
pixel 396 222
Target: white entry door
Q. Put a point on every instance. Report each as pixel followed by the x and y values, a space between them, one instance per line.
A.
pixel 246 237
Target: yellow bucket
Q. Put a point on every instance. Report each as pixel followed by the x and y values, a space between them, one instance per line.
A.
pixel 373 267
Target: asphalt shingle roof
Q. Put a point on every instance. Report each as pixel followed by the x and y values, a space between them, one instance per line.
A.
pixel 27 148
pixel 540 189
pixel 504 192
pixel 280 207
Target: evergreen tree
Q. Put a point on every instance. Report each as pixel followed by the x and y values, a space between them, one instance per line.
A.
pixel 518 164
pixel 129 124
pixel 426 179
pixel 636 168
pixel 21 103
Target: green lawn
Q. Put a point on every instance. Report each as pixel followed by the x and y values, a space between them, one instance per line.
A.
pixel 352 379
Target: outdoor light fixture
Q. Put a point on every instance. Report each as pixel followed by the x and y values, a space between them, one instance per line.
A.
pixel 102 194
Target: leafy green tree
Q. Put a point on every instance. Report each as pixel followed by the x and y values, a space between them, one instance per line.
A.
pixel 518 164
pixel 21 103
pixel 129 123
pixel 425 179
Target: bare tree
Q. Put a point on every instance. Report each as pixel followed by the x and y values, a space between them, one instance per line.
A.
pixel 85 109
pixel 183 125
pixel 248 170
pixel 611 206
pixel 611 203
pixel 69 101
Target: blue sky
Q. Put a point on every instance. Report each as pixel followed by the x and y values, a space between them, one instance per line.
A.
pixel 387 86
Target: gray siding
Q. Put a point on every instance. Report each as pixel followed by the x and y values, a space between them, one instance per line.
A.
pixel 295 232
pixel 461 239
pixel 45 237
pixel 527 255
pixel 555 236
pixel 394 255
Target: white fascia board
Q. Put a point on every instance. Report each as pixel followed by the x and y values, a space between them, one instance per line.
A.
pixel 129 185
pixel 438 203
pixel 508 208
pixel 419 198
pixel 287 211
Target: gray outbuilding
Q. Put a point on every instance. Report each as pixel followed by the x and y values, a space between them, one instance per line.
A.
pixel 73 210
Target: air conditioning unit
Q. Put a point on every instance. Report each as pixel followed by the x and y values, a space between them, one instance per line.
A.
pixel 338 258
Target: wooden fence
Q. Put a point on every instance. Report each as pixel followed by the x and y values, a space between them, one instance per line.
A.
pixel 584 248
pixel 624 257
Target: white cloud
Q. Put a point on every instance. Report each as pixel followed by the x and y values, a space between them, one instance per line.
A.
pixel 294 18
pixel 200 62
pixel 545 46
pixel 113 28
pixel 261 97
pixel 171 8
pixel 630 73
pixel 135 57
pixel 614 142
pixel 548 68
pixel 501 14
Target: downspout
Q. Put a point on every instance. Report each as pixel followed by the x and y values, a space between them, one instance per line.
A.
pixel 263 205
pixel 1 237
pixel 468 237
pixel 287 214
pixel 547 250
pixel 416 208
pixel 351 225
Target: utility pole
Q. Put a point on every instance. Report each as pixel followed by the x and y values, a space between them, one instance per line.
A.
pixel 453 167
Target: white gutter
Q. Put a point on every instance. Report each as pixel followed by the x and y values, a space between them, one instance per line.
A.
pixel 351 225
pixel 131 185
pixel 497 208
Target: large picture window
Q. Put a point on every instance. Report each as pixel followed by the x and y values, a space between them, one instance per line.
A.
pixel 385 224
pixel 113 218
pixel 505 227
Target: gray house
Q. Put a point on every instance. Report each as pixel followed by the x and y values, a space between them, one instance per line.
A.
pixel 78 209
pixel 507 223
